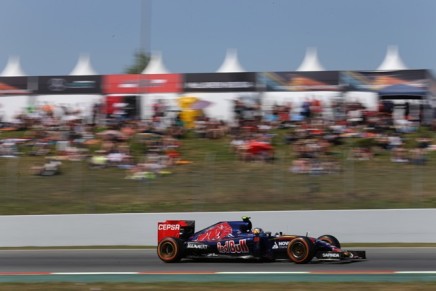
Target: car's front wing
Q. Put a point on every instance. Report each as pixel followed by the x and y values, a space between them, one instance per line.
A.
pixel 341 256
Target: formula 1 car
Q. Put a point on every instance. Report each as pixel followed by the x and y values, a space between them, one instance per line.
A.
pixel 177 240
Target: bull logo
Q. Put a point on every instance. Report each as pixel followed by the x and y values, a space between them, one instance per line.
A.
pixel 215 233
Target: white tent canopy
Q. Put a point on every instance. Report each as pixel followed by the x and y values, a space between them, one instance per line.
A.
pixel 13 68
pixel 310 61
pixel 231 63
pixel 222 103
pixel 83 67
pixel 392 60
pixel 156 65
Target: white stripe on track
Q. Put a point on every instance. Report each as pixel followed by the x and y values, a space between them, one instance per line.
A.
pixel 415 272
pixel 95 273
pixel 259 273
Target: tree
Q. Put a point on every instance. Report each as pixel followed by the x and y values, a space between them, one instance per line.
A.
pixel 141 61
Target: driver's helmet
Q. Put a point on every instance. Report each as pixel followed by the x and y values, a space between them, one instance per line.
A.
pixel 248 226
pixel 245 218
pixel 257 230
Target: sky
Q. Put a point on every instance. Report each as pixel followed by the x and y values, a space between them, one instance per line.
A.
pixel 193 35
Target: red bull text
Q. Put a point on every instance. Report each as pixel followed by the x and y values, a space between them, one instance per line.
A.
pixel 230 247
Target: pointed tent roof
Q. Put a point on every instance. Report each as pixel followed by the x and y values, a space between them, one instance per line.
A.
pixel 310 61
pixel 13 68
pixel 392 60
pixel 83 66
pixel 156 65
pixel 231 63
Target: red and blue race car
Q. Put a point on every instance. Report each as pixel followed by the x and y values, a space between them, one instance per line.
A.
pixel 178 240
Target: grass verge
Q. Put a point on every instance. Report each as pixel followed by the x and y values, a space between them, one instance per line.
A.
pixel 217 181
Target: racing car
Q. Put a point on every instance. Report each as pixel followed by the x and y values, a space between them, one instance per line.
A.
pixel 178 240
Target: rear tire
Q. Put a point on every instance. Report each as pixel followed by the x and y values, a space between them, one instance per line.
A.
pixel 170 250
pixel 330 240
pixel 301 250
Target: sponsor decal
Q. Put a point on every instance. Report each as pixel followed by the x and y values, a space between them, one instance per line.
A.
pixel 15 85
pixel 169 227
pixel 219 85
pixel 231 247
pixel 139 83
pixel 219 82
pixel 59 84
pixel 67 85
pixel 280 244
pixel 198 246
pixel 331 255
pixel 215 233
pixel 302 81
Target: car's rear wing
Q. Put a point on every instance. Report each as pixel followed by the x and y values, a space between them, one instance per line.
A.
pixel 175 228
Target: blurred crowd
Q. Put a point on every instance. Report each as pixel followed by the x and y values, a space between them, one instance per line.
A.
pixel 313 132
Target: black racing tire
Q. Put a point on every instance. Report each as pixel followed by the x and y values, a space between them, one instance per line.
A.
pixel 301 250
pixel 330 240
pixel 170 250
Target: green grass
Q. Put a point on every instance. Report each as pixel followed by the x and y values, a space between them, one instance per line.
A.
pixel 218 286
pixel 217 181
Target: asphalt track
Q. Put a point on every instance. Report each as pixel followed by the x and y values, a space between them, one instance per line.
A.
pixel 143 265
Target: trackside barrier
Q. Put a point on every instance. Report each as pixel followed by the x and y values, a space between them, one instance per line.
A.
pixel 372 226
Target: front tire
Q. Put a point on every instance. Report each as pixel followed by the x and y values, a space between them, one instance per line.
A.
pixel 330 240
pixel 170 250
pixel 301 250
